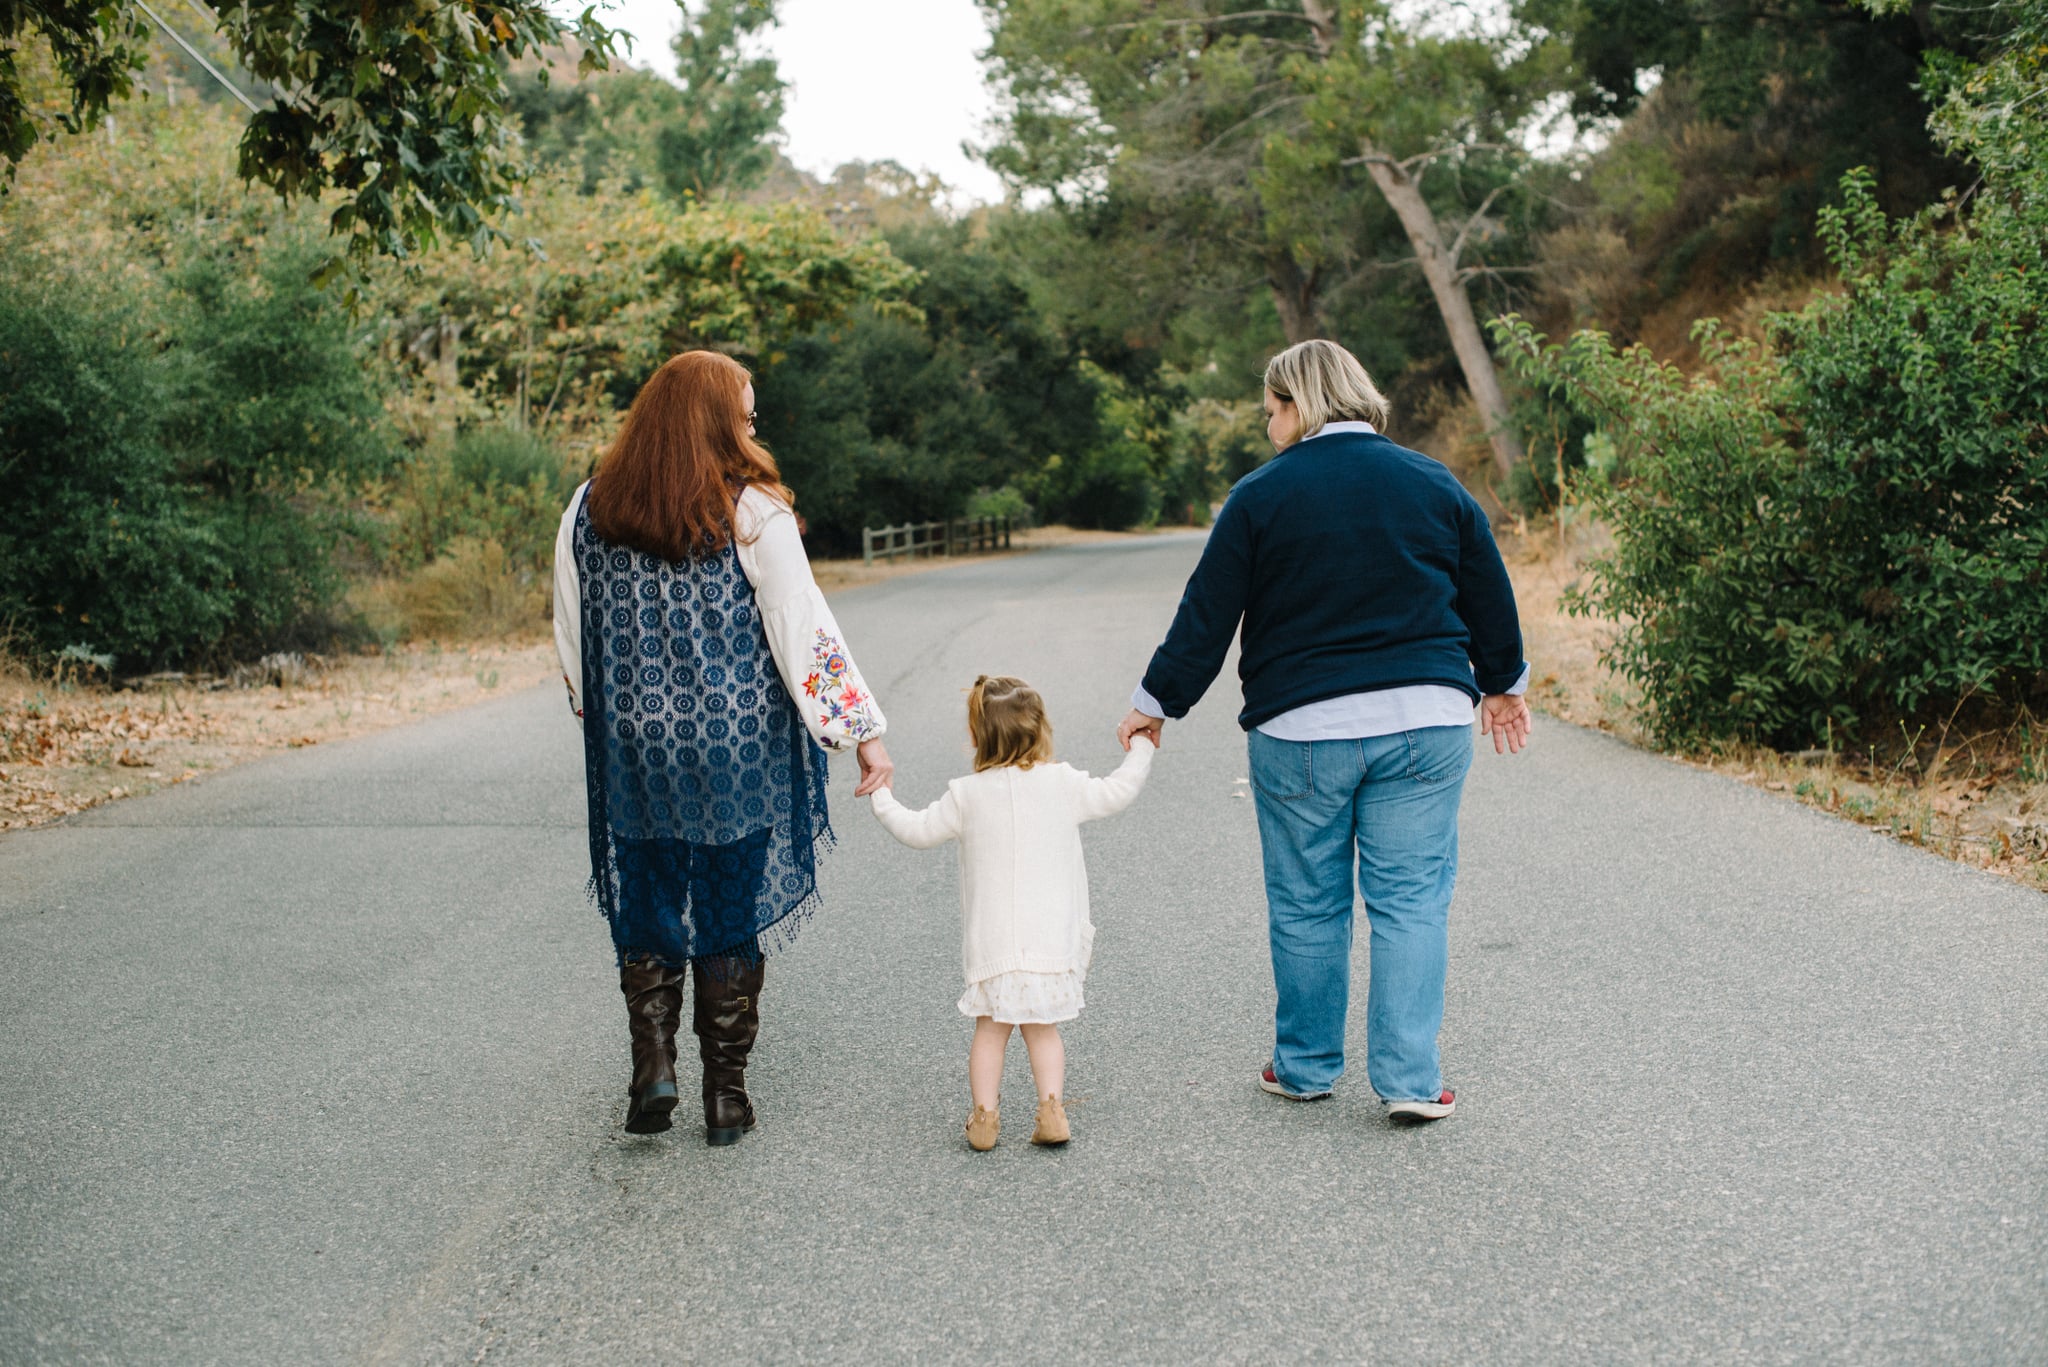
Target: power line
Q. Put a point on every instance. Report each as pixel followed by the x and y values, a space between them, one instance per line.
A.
pixel 194 54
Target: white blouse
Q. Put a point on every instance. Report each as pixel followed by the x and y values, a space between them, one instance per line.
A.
pixel 1023 885
pixel 803 636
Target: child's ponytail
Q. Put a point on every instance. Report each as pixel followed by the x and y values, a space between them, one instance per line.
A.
pixel 1007 720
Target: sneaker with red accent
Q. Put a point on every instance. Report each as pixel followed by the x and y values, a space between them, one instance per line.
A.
pixel 1416 1112
pixel 1270 1083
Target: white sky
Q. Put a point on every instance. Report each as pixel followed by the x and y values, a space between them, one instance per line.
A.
pixel 869 80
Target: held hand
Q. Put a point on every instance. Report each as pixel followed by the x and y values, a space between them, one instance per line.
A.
pixel 1505 717
pixel 876 770
pixel 1137 723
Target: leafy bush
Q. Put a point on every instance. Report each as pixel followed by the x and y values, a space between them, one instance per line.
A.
pixel 490 458
pixel 275 420
pixel 1007 501
pixel 100 547
pixel 174 456
pixel 467 493
pixel 1853 527
pixel 1554 434
pixel 271 393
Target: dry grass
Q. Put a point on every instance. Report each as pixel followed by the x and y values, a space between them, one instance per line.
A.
pixel 67 745
pixel 471 592
pixel 1568 679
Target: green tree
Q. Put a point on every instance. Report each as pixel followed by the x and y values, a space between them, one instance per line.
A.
pixel 1302 137
pixel 731 109
pixel 561 339
pixel 1152 148
pixel 1408 106
pixel 603 126
pixel 904 413
pixel 1815 87
pixel 399 111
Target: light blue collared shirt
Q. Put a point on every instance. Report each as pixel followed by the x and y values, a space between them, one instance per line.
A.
pixel 1357 716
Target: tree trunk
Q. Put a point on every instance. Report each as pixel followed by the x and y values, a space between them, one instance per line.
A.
pixel 1404 197
pixel 1294 295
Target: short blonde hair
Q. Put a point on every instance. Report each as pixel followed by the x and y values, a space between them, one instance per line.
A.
pixel 1327 384
pixel 1007 720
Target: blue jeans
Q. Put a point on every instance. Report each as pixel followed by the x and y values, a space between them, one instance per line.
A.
pixel 1390 802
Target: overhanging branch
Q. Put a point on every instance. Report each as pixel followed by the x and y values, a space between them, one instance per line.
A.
pixel 1458 242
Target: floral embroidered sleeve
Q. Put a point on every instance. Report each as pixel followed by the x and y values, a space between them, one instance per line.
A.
pixel 810 653
pixel 835 692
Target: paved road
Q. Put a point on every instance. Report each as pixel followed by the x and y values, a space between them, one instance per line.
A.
pixel 321 1060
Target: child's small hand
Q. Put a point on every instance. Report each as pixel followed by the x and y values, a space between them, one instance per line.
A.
pixel 1136 723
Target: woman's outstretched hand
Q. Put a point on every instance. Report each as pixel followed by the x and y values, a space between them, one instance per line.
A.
pixel 1505 717
pixel 875 767
pixel 1137 723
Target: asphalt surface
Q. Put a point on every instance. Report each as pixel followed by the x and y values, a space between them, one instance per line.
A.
pixel 322 1060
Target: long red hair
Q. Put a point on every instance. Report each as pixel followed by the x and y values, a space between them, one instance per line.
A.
pixel 670 482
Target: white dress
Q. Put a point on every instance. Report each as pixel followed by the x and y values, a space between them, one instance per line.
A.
pixel 1024 998
pixel 1027 937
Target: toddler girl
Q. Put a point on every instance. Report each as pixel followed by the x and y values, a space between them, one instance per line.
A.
pixel 1025 933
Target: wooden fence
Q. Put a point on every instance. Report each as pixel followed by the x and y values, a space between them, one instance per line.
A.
pixel 956 537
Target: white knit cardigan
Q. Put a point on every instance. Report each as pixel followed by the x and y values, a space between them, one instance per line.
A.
pixel 1023 886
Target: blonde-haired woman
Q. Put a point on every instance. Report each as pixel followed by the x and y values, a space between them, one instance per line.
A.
pixel 1375 614
pixel 711 678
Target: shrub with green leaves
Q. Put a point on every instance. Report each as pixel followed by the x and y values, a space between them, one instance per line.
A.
pixel 497 457
pixel 1850 527
pixel 501 486
pixel 173 458
pixel 99 547
pixel 1925 388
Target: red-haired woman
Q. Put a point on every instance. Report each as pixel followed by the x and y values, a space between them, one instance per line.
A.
pixel 710 677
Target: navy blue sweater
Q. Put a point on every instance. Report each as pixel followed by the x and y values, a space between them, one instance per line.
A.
pixel 1355 565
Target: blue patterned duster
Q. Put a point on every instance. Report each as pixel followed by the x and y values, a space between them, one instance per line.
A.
pixel 707 793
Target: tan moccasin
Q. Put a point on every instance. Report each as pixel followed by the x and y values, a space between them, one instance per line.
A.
pixel 983 1124
pixel 1052 1122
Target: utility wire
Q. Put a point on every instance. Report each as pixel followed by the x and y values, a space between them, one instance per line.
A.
pixel 212 21
pixel 194 54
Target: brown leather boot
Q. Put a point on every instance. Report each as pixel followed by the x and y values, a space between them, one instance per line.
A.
pixel 728 1019
pixel 654 1011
